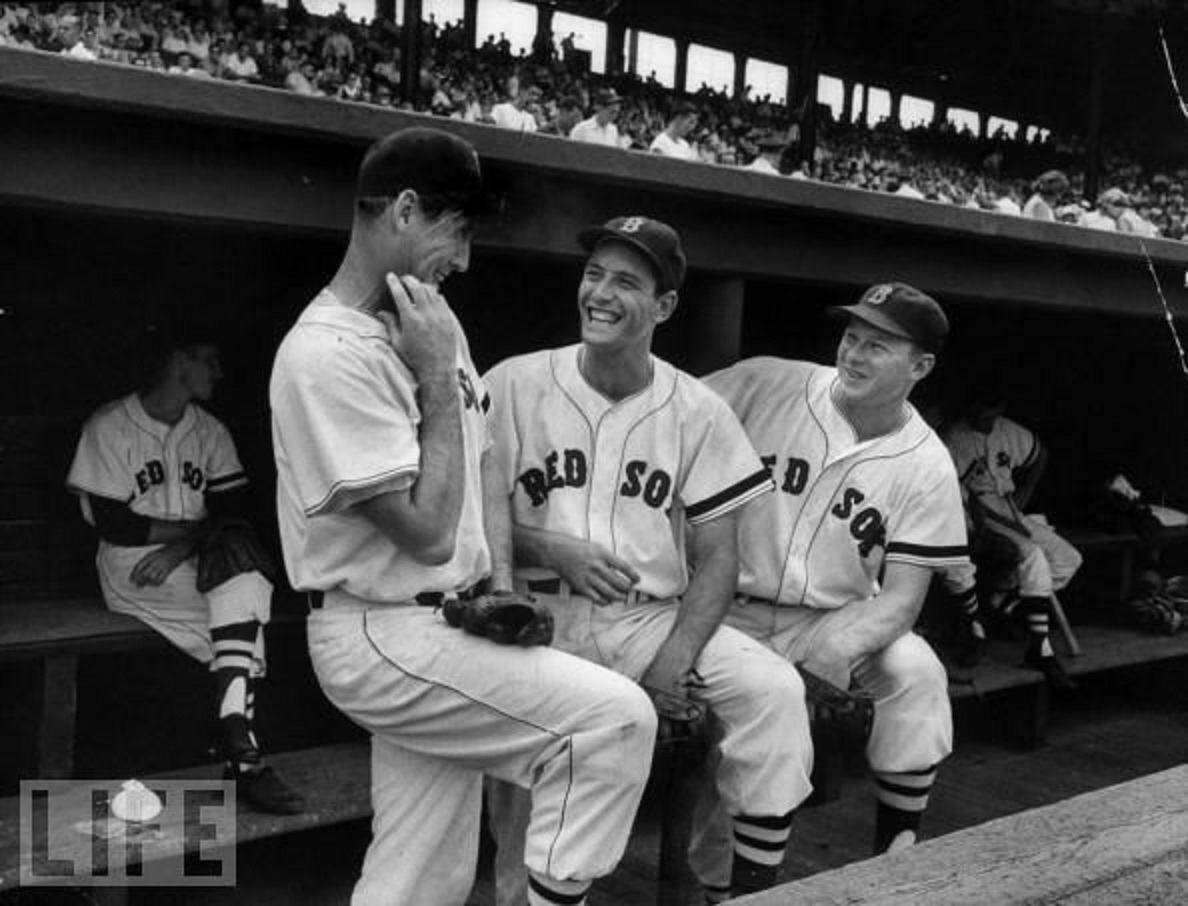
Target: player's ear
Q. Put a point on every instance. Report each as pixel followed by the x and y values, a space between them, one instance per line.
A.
pixel 403 208
pixel 666 304
pixel 922 365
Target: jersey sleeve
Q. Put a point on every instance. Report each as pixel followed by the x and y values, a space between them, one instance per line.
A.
pixel 100 464
pixel 224 471
pixel 347 428
pixel 501 421
pixel 931 530
pixel 723 470
pixel 1020 442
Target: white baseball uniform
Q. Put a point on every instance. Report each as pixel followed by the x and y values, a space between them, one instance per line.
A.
pixel 443 707
pixel 986 464
pixel 843 508
pixel 630 475
pixel 165 472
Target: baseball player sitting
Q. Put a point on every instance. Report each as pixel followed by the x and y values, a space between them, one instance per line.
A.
pixel 835 565
pixel 1000 463
pixel 387 503
pixel 610 454
pixel 160 480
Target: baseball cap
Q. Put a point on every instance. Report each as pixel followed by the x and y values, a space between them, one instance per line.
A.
pixel 902 310
pixel 429 161
pixel 658 242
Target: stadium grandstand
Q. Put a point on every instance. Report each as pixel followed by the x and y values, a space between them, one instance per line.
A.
pixel 1024 161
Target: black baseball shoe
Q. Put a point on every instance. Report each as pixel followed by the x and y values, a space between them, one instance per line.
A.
pixel 263 789
pixel 1052 670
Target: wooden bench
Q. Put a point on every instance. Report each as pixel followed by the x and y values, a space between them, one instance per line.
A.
pixel 58 633
pixel 1092 542
pixel 1124 844
pixel 1103 648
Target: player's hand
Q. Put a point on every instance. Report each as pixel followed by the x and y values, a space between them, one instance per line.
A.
pixel 675 688
pixel 422 327
pixel 156 566
pixel 594 572
pixel 829 664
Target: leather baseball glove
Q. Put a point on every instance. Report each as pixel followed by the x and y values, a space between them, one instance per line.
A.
pixel 230 547
pixel 504 617
pixel 838 718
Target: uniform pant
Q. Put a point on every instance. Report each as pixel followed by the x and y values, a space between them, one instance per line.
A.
pixel 177 610
pixel 444 708
pixel 757 699
pixel 913 724
pixel 1048 562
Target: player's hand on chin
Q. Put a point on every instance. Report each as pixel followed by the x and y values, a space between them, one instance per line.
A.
pixel 422 328
pixel 594 572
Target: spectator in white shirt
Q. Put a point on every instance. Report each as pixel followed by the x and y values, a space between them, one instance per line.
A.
pixel 672 141
pixel 1048 190
pixel 600 129
pixel 241 65
pixel 1117 204
pixel 513 114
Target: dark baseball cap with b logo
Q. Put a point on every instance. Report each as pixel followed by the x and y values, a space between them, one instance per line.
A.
pixel 431 162
pixel 656 241
pixel 902 310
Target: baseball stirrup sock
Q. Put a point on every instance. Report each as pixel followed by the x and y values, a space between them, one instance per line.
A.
pixel 1034 612
pixel 544 891
pixel 759 845
pixel 234 647
pixel 902 799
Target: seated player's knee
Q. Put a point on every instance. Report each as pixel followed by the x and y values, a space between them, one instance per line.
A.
pixel 911 664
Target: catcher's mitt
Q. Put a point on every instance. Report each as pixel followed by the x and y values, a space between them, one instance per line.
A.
pixel 838 718
pixel 505 617
pixel 228 548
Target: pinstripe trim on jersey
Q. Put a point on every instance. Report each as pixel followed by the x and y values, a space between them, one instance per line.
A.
pixel 226 482
pixel 346 487
pixel 736 495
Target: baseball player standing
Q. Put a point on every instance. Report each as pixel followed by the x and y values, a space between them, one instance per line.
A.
pixel 151 470
pixel 612 455
pixel 999 463
pixel 835 565
pixel 381 438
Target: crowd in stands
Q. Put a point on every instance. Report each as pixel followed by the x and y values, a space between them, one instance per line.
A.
pixel 550 90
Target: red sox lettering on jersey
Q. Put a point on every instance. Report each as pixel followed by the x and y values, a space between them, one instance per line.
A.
pixel 843 507
pixel 161 471
pixel 616 473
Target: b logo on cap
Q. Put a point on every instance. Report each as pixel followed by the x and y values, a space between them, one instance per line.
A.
pixel 633 224
pixel 879 294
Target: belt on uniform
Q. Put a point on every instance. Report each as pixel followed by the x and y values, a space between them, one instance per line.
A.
pixel 317 599
pixel 555 586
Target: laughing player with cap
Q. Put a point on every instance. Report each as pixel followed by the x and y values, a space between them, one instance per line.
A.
pixel 614 457
pixel 381 436
pixel 836 563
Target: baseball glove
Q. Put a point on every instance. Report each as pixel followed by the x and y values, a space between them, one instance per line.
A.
pixel 228 548
pixel 504 617
pixel 838 718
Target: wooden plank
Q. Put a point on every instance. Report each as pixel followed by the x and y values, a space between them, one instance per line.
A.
pixel 335 781
pixel 1060 853
pixel 59 708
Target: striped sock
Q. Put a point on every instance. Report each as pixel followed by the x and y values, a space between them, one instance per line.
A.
pixel 1034 612
pixel 234 647
pixel 759 845
pixel 902 799
pixel 545 891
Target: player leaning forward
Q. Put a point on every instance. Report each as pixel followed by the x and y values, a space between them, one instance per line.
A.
pixel 610 454
pixel 836 563
pixel 381 439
